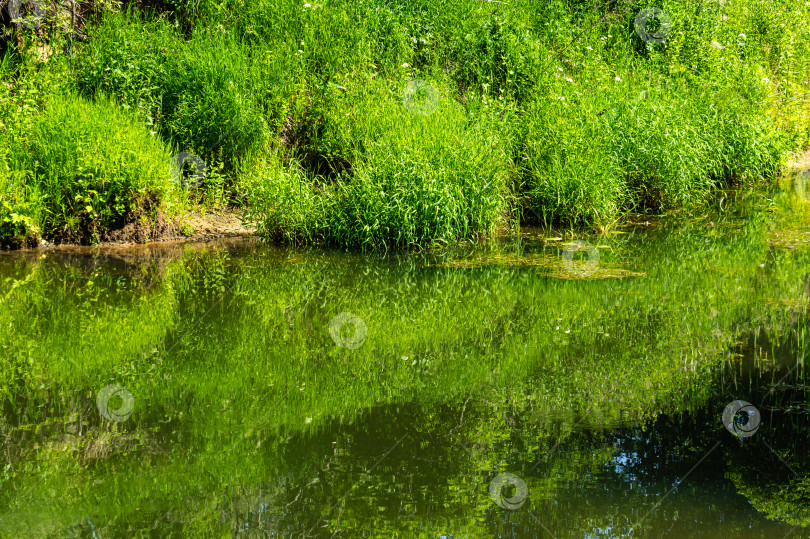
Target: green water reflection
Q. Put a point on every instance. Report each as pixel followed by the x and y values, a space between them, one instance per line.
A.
pixel 601 387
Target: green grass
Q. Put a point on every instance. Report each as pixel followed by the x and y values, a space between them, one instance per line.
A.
pixel 391 178
pixel 297 106
pixel 93 166
pixel 214 95
pixel 640 143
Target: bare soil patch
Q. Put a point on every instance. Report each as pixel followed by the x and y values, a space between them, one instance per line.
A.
pixel 195 227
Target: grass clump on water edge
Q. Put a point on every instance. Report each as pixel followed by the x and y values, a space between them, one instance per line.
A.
pixel 639 146
pixel 404 172
pixel 91 166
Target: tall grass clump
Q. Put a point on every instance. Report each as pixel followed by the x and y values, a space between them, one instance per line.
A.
pixel 639 145
pixel 498 55
pixel 129 58
pixel 95 166
pixel 210 100
pixel 568 166
pixel 403 179
pixel 327 38
pixel 26 88
pixel 629 125
pixel 284 202
pixel 422 180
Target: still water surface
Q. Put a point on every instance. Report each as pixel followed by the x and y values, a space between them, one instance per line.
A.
pixel 507 389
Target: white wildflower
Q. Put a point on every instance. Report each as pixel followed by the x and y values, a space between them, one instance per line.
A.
pixel 569 80
pixel 307 5
pixel 299 50
pixel 717 45
pixel 618 79
pixel 559 69
pixel 742 35
pixel 561 98
pixel 405 64
pixel 589 48
pixel 766 79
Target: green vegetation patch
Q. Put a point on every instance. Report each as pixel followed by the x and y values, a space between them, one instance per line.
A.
pixel 92 165
pixel 569 112
pixel 404 168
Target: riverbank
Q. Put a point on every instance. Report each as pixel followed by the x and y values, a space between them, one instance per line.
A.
pixel 380 126
pixel 191 228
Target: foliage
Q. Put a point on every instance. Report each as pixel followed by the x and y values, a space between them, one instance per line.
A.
pixel 394 182
pixel 590 120
pixel 94 165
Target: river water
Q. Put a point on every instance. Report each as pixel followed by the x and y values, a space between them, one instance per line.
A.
pixel 524 386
